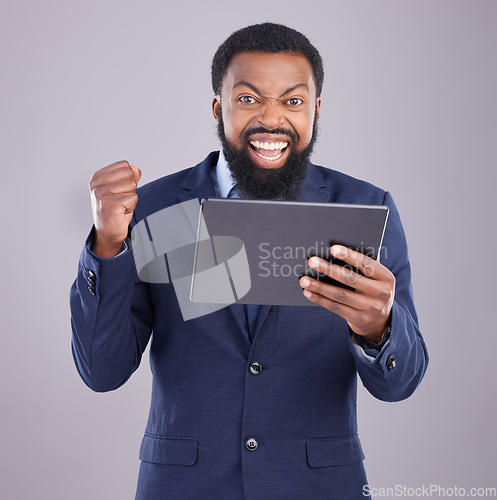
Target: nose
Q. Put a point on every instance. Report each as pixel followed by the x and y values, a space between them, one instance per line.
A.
pixel 270 115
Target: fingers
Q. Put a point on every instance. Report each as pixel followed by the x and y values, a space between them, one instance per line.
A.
pixel 115 172
pixel 366 315
pixel 114 199
pixel 110 171
pixel 335 306
pixel 115 204
pixel 379 283
pixel 116 186
pixel 359 312
pixel 336 294
pixel 342 274
pixel 367 306
pixel 137 173
pixel 368 266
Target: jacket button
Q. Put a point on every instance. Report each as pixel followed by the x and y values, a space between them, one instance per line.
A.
pixel 91 282
pixel 391 363
pixel 251 444
pixel 255 368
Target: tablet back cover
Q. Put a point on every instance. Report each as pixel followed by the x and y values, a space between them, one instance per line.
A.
pixel 254 252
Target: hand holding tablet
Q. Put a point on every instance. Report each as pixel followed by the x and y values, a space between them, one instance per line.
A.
pixel 367 307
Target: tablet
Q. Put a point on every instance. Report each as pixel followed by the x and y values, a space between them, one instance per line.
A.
pixel 255 251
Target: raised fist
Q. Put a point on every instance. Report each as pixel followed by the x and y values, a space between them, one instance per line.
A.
pixel 113 200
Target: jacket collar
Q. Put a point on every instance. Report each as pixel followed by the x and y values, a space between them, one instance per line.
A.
pixel 314 187
pixel 198 183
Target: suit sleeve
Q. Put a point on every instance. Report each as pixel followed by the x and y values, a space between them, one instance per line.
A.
pixel 111 319
pixel 400 366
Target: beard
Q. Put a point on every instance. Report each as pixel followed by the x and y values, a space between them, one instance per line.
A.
pixel 255 182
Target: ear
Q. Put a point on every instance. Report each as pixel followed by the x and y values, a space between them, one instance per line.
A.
pixel 216 107
pixel 318 109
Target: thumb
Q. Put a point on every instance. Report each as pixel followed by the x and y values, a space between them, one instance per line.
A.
pixel 137 173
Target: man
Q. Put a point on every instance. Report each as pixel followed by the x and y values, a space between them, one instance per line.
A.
pixel 246 408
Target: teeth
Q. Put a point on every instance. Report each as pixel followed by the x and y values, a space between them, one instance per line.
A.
pixel 271 146
pixel 270 158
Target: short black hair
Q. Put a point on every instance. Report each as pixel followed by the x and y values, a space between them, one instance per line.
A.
pixel 269 38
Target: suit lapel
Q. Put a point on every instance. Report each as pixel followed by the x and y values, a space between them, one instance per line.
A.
pixel 314 187
pixel 238 311
pixel 198 183
pixel 261 317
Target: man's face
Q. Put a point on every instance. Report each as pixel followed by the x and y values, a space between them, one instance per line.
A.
pixel 266 116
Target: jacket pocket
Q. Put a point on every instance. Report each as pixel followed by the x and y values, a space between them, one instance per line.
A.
pixel 168 451
pixel 333 452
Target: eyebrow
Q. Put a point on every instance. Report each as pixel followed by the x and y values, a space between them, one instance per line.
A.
pixel 255 89
pixel 295 87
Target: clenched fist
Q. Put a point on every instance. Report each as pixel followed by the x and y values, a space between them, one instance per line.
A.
pixel 113 200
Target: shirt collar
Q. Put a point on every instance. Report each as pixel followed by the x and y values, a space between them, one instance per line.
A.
pixel 223 176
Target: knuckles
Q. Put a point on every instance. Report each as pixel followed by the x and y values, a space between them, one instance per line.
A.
pixel 97 191
pixel 364 318
pixel 134 201
pixel 350 277
pixel 385 294
pixel 342 296
pixel 110 188
pixel 317 286
pixel 391 279
pixel 369 264
pixel 115 172
pixel 377 308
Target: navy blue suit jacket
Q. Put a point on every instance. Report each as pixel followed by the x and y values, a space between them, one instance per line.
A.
pixel 301 408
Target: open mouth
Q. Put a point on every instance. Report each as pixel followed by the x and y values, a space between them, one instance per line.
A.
pixel 269 151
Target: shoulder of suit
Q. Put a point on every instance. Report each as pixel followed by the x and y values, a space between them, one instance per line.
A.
pixel 164 192
pixel 169 183
pixel 347 189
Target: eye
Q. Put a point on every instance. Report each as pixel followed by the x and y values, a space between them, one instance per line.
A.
pixel 246 99
pixel 295 101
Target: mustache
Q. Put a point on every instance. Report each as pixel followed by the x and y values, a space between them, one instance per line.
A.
pixel 276 131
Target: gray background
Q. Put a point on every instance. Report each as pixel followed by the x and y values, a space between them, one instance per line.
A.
pixel 408 104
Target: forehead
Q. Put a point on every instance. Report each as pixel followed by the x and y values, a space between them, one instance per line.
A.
pixel 269 73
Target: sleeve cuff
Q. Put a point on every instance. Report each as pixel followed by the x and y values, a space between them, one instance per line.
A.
pixel 89 246
pixel 367 349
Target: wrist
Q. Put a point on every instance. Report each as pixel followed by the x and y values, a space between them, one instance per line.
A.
pixel 381 336
pixel 105 248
